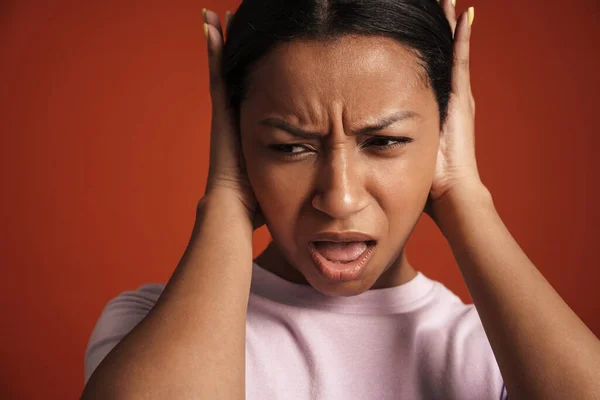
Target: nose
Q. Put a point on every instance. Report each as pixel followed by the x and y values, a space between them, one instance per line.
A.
pixel 340 185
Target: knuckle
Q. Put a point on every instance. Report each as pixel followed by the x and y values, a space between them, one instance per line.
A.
pixel 461 62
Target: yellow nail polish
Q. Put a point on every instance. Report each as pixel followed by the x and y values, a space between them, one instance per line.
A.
pixel 454 3
pixel 206 30
pixel 204 14
pixel 471 15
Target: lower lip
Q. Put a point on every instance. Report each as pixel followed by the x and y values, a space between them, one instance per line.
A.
pixel 338 271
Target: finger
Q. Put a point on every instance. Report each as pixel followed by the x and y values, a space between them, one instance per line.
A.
pixel 461 80
pixel 449 9
pixel 211 18
pixel 215 48
pixel 222 123
pixel 227 20
pixel 223 140
pixel 215 44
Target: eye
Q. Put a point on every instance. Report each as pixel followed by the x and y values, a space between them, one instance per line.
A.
pixel 385 143
pixel 289 150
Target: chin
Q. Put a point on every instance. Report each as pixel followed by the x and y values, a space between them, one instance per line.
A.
pixel 341 289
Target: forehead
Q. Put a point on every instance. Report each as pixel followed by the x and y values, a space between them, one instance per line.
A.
pixel 365 73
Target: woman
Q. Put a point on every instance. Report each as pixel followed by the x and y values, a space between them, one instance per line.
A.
pixel 352 120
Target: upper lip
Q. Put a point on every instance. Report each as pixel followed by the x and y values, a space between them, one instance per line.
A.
pixel 342 237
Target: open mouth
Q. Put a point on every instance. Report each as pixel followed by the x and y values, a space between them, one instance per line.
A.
pixel 342 252
pixel 341 261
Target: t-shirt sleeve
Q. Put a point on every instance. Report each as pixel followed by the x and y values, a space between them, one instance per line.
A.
pixel 474 362
pixel 119 317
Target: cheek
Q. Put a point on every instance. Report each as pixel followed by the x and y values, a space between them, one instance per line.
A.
pixel 280 189
pixel 402 185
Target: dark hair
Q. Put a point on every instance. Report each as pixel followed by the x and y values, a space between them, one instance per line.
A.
pixel 259 25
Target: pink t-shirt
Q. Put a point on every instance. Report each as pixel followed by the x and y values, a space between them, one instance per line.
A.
pixel 413 341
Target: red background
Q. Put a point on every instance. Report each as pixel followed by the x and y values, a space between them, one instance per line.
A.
pixel 104 123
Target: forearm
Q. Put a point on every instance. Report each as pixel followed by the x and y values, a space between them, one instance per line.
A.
pixel 543 349
pixel 192 344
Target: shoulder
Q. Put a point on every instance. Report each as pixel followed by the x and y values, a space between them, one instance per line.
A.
pixel 459 349
pixel 471 358
pixel 120 315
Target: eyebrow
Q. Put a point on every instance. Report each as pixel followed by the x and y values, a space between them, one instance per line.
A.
pixel 379 125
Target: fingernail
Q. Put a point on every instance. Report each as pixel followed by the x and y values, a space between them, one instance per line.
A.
pixel 206 30
pixel 471 15
pixel 204 14
pixel 454 3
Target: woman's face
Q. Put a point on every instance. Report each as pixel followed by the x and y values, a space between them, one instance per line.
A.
pixel 340 136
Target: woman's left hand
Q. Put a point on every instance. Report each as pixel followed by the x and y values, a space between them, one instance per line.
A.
pixel 456 171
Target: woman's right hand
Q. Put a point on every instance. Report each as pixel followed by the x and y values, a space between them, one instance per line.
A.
pixel 227 172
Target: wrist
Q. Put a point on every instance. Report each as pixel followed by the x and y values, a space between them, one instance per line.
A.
pixel 458 204
pixel 225 205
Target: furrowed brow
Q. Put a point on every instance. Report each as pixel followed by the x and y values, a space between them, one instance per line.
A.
pixel 386 122
pixel 284 126
pixel 375 127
